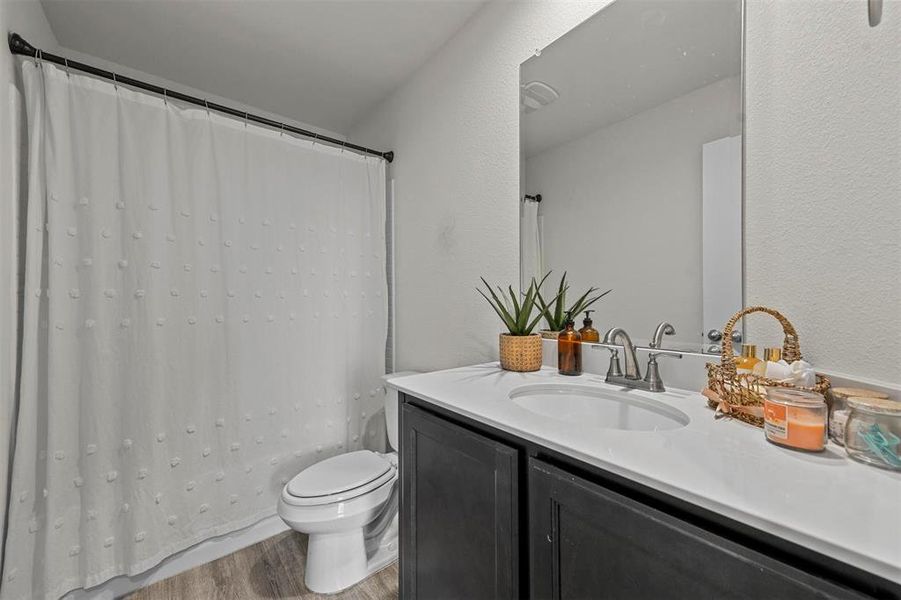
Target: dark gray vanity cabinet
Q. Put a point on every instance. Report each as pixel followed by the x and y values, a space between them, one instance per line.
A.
pixel 486 514
pixel 589 542
pixel 459 521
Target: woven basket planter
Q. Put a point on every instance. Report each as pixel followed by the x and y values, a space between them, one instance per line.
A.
pixel 520 352
pixel 741 395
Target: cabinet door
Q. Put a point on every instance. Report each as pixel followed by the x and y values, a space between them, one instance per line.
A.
pixel 458 512
pixel 589 542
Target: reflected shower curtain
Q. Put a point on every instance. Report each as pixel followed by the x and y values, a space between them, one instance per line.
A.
pixel 205 315
pixel 530 258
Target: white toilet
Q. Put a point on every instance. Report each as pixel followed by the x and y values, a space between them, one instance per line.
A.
pixel 348 506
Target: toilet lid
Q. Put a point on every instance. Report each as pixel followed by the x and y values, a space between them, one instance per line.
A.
pixel 338 474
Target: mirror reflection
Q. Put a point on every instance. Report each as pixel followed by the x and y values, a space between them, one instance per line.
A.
pixel 631 129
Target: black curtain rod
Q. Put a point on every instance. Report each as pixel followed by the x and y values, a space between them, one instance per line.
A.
pixel 18 45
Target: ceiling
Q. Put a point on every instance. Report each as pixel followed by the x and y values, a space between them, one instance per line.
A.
pixel 631 56
pixel 321 62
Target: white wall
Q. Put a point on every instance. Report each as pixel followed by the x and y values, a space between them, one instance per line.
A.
pixel 455 128
pixel 823 225
pixel 823 186
pixel 622 210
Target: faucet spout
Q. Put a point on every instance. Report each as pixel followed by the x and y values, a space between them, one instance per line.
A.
pixel 618 335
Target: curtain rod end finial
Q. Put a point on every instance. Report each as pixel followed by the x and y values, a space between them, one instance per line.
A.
pixel 18 45
pixel 389 156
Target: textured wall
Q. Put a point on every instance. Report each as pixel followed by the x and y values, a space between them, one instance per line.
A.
pixel 823 182
pixel 823 225
pixel 455 128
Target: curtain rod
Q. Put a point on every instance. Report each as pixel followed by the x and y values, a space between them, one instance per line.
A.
pixel 18 45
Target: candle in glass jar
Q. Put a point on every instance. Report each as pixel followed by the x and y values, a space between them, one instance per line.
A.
pixel 795 418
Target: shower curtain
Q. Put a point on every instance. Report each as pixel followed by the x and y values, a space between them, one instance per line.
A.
pixel 205 315
pixel 530 265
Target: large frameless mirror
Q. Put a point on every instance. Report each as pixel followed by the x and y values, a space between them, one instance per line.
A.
pixel 631 130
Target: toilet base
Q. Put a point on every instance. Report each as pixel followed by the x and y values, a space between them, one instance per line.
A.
pixel 337 561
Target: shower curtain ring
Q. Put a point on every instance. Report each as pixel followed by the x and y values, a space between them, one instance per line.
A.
pixel 165 96
pixel 115 83
pixel 315 137
pixel 66 60
pixel 206 103
pixel 281 132
pixel 40 59
pixel 245 120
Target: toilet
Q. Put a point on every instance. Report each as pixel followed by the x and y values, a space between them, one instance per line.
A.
pixel 347 504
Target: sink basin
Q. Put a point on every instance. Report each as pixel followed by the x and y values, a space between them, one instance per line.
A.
pixel 598 407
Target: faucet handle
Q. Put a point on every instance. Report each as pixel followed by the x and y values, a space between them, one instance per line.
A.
pixel 614 370
pixel 663 329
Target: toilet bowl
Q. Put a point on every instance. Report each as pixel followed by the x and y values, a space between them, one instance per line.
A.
pixel 347 505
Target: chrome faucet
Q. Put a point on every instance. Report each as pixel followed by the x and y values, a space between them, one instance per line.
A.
pixel 617 339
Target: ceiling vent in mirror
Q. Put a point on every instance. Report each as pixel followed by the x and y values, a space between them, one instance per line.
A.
pixel 534 95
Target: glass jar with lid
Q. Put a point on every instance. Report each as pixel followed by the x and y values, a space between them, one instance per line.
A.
pixel 873 432
pixel 837 400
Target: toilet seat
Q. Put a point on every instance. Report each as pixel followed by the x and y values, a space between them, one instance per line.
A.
pixel 338 479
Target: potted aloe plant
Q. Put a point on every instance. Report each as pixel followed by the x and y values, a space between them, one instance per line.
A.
pixel 555 311
pixel 520 349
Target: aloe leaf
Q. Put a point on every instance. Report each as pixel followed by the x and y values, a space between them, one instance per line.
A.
pixel 577 306
pixel 541 313
pixel 545 309
pixel 501 306
pixel 534 322
pixel 560 305
pixel 503 298
pixel 510 325
pixel 516 308
pixel 591 301
pixel 559 309
pixel 528 305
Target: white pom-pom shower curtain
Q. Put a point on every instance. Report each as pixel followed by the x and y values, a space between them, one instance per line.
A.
pixel 204 315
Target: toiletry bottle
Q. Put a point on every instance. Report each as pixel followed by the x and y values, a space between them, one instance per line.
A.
pixel 569 349
pixel 589 333
pixel 770 355
pixel 748 359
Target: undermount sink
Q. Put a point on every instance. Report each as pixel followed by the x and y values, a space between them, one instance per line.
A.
pixel 598 407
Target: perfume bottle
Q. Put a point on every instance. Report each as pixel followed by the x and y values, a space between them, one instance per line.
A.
pixel 748 359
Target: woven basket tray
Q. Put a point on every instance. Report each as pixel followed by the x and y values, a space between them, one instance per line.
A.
pixel 741 395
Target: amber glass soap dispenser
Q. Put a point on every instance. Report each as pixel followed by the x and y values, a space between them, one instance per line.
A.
pixel 588 332
pixel 569 349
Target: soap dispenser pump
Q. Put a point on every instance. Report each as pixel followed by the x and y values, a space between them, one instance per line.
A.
pixel 588 332
pixel 569 349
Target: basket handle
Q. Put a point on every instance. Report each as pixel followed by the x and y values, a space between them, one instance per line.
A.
pixel 791 350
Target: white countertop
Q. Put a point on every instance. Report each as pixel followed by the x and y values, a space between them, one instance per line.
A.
pixel 822 501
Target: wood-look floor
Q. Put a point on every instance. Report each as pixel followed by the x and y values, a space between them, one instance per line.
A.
pixel 270 569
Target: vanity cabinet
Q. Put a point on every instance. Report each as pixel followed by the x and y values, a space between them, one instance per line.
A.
pixel 486 514
pixel 459 517
pixel 586 541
